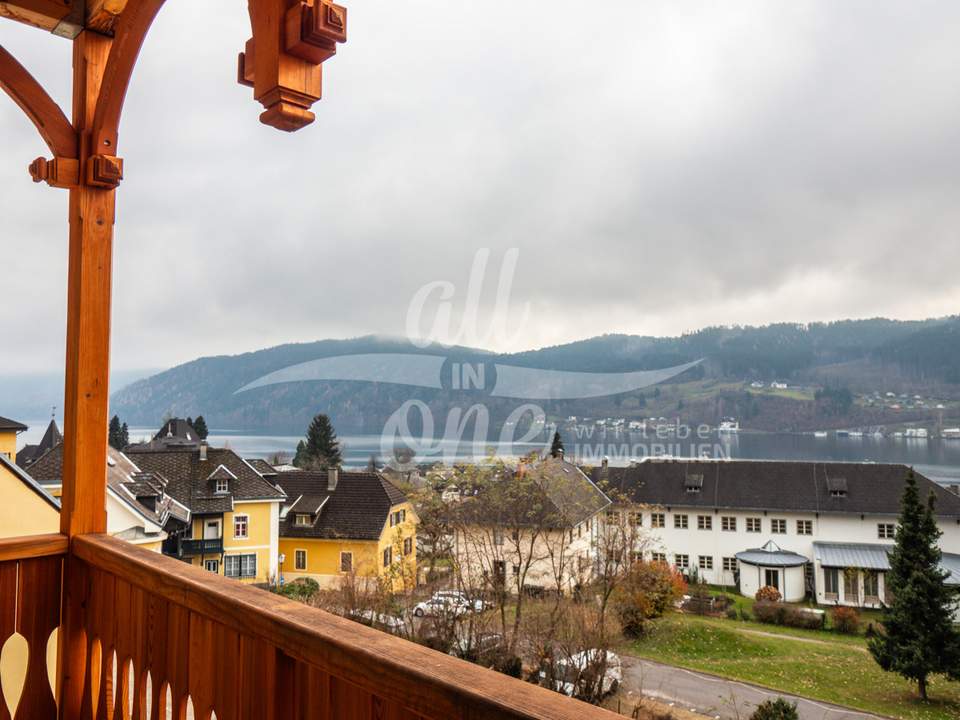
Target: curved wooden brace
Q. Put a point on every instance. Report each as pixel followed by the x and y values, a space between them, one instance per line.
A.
pixel 20 85
pixel 129 33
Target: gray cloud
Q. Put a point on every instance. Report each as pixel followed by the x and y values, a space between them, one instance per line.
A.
pixel 660 165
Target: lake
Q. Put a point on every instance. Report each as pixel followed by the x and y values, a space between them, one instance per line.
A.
pixel 936 458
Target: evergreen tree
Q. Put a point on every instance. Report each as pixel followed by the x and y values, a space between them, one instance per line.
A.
pixel 919 638
pixel 200 425
pixel 115 434
pixel 322 449
pixel 124 435
pixel 300 458
pixel 556 447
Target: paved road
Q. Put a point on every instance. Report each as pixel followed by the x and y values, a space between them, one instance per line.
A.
pixel 716 697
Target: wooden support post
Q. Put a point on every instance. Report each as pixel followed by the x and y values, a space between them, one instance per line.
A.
pixel 87 367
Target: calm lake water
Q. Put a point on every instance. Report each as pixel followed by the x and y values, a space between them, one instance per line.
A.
pixel 935 458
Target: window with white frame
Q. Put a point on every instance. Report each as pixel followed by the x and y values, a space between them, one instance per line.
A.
pixel 704 522
pixel 886 531
pixel 681 522
pixel 301 519
pixel 240 566
pixel 223 485
pixel 658 557
pixel 705 562
pixel 754 525
pixel 241 526
pixel 658 520
pixel 638 519
pixel 300 559
pixel 729 564
pixel 804 527
pixel 728 523
pixel 778 526
pixel 682 561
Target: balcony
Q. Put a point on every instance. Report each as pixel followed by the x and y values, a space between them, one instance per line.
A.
pixel 173 632
pixel 206 546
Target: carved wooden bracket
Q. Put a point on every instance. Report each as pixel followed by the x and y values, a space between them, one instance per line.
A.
pixel 104 171
pixel 282 61
pixel 59 172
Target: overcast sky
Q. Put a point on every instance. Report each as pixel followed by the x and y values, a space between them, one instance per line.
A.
pixel 661 166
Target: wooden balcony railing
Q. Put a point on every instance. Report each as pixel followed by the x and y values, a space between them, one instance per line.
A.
pixel 204 546
pixel 172 635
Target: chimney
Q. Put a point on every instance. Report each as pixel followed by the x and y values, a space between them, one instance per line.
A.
pixel 955 489
pixel 203 451
pixel 333 475
pixel 604 467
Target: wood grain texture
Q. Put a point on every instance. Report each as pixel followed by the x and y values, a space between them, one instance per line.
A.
pixel 31 546
pixel 392 676
pixel 44 14
pixel 43 112
pixel 38 614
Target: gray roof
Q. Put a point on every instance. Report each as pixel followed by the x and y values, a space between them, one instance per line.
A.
pixel 51 438
pixel 811 487
pixel 358 508
pixel 8 424
pixel 873 556
pixel 867 556
pixel 771 555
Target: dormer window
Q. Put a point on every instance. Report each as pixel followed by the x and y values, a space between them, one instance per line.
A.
pixel 223 486
pixel 693 483
pixel 301 519
pixel 837 487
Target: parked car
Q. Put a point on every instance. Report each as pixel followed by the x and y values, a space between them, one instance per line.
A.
pixel 381 621
pixel 440 605
pixel 476 647
pixel 571 673
pixel 476 604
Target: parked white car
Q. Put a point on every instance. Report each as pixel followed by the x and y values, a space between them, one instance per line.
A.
pixel 571 671
pixel 443 602
pixel 389 623
pixel 476 604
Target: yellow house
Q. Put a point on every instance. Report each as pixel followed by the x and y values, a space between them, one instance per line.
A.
pixel 25 507
pixel 138 509
pixel 338 524
pixel 234 510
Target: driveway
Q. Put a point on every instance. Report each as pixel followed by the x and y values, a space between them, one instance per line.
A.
pixel 716 697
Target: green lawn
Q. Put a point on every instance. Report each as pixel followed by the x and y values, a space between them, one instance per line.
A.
pixel 819 665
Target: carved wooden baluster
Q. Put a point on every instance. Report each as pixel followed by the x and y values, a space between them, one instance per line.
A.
pixel 8 614
pixel 38 614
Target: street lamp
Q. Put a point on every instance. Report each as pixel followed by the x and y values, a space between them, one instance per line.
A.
pixel 281 558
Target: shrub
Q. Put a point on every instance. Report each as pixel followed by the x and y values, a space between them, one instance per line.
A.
pixel 722 602
pixel 769 594
pixel 745 615
pixel 778 709
pixel 301 589
pixel 845 620
pixel 646 592
pixel 732 613
pixel 798 618
pixel 772 613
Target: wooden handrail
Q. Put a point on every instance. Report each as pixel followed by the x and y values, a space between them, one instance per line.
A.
pixel 422 680
pixel 33 546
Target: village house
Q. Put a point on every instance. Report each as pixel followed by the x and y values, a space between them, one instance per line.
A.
pixel 809 529
pixel 336 524
pixel 234 510
pixel 25 507
pixel 549 544
pixel 138 509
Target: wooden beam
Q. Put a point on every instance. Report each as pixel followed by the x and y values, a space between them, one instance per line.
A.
pixel 45 114
pixel 130 31
pixel 102 15
pixel 61 17
pixel 31 546
pixel 84 499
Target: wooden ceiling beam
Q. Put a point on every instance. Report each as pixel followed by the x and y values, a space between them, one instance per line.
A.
pixel 61 17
